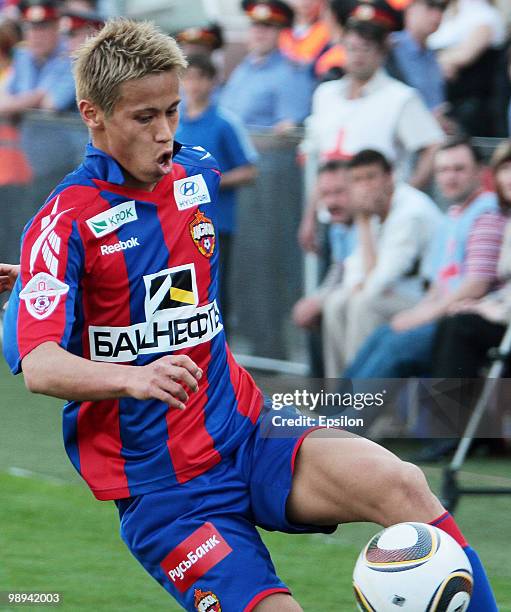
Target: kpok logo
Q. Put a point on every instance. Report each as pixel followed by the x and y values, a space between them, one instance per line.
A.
pixel 112 219
pixel 195 556
pixel 173 320
pixel 191 191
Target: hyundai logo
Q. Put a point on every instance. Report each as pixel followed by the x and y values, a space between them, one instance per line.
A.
pixel 189 188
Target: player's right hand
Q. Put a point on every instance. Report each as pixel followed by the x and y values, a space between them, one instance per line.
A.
pixel 168 379
pixel 8 275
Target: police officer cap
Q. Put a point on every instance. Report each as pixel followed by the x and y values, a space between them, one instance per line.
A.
pixel 73 20
pixel 269 12
pixel 38 11
pixel 378 12
pixel 209 36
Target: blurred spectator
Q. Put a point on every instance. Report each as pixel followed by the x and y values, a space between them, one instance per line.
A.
pixel 201 40
pixel 462 265
pixel 206 40
pixel 463 339
pixel 77 26
pixel 41 75
pixel 394 225
pixel 268 91
pixel 332 191
pixel 14 167
pixel 369 109
pixel 9 37
pixel 475 326
pixel 330 63
pixel 222 135
pixel 468 43
pixel 308 36
pixel 410 60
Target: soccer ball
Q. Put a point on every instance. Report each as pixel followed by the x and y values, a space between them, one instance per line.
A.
pixel 412 567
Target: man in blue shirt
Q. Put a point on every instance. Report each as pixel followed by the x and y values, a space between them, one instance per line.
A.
pixel 267 91
pixel 223 135
pixel 41 75
pixel 410 59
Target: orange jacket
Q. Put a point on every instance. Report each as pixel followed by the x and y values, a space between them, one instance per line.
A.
pixel 334 57
pixel 307 48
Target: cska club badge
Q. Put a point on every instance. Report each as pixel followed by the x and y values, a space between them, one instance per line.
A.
pixel 42 295
pixel 203 234
pixel 206 601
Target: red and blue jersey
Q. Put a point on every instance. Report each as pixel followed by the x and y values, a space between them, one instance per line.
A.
pixel 126 276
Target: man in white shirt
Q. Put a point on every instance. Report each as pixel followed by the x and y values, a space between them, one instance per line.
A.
pixel 369 109
pixel 395 224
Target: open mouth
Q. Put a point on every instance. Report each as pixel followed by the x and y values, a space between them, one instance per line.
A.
pixel 165 162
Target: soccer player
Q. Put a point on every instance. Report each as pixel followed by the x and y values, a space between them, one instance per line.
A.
pixel 115 310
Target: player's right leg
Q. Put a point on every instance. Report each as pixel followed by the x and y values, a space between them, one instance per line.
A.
pixel 199 542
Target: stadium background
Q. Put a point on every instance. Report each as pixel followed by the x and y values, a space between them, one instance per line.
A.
pixel 54 537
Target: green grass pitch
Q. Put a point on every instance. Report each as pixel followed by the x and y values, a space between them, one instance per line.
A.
pixel 55 537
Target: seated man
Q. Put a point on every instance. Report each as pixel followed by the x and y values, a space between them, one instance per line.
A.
pixel 462 265
pixel 395 224
pixel 332 194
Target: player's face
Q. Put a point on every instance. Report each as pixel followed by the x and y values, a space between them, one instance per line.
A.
pixel 262 38
pixel 139 134
pixel 363 57
pixel 457 173
pixel 503 180
pixel 333 193
pixel 197 86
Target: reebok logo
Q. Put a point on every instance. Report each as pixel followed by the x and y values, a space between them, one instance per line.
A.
pixel 111 220
pixel 110 249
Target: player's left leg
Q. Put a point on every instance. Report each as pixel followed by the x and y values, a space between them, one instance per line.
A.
pixel 346 478
pixel 349 479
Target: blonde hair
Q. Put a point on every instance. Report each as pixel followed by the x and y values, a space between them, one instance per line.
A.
pixel 121 51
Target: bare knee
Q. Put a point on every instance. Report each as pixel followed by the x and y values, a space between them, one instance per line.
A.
pixel 407 496
pixel 279 602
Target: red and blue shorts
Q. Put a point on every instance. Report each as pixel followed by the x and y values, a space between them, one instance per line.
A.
pixel 199 539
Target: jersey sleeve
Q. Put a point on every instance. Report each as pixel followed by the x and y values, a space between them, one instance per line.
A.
pixel 43 304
